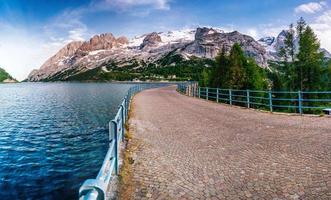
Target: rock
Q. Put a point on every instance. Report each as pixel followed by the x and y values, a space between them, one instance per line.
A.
pixel 273 47
pixel 9 80
pixel 122 40
pixel 208 42
pixel 267 40
pixel 61 60
pixel 327 54
pixel 104 41
pixel 151 40
pixel 80 57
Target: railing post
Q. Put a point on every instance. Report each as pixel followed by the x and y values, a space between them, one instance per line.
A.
pixel 230 96
pixel 199 91
pixel 126 107
pixel 190 90
pixel 114 134
pixel 217 95
pixel 123 121
pixel 300 102
pixel 193 90
pixel 207 93
pixel 248 99
pixel 270 101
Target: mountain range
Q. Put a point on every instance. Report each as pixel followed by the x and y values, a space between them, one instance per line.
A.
pixel 274 44
pixel 104 54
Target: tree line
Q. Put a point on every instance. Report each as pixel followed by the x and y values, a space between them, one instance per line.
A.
pixel 301 67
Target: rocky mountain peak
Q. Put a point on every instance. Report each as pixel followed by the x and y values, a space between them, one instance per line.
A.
pixel 280 40
pixel 273 45
pixel 208 42
pixel 97 42
pixel 267 40
pixel 151 40
pixel 204 32
pixel 66 52
pixel 122 40
pixel 325 52
pixel 105 50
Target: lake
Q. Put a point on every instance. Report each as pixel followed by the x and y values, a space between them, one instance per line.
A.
pixel 53 136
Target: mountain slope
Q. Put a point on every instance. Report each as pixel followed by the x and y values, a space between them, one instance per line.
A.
pixel 104 55
pixel 5 77
pixel 274 44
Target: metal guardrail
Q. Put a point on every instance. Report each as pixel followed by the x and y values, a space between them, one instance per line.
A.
pixel 273 101
pixel 97 188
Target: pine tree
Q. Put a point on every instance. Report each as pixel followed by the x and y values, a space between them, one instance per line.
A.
pixel 290 43
pixel 283 54
pixel 237 60
pixel 205 78
pixel 329 77
pixel 221 72
pixel 310 61
pixel 301 26
pixel 236 71
pixel 255 76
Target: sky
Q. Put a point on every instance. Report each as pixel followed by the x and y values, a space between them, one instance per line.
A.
pixel 33 30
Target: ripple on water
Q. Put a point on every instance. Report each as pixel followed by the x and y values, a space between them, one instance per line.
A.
pixel 53 136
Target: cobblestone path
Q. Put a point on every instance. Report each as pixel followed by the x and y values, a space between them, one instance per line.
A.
pixel 188 148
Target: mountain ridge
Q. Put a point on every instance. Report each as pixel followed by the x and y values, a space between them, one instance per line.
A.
pixel 104 54
pixel 143 51
pixel 274 44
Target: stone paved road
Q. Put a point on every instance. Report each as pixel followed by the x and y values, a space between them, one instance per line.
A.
pixel 192 149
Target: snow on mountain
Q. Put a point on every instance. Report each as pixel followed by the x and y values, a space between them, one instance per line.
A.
pixel 106 50
pixel 327 54
pixel 268 43
pixel 274 44
pixel 175 36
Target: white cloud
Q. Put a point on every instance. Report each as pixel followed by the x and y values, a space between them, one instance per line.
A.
pixel 67 27
pixel 125 4
pixel 322 28
pixel 262 30
pixel 252 32
pixel 310 8
pixel 23 48
pixel 21 51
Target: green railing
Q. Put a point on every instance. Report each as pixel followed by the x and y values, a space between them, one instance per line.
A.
pixel 312 102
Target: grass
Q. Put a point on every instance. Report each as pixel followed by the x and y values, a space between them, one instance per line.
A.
pixel 126 183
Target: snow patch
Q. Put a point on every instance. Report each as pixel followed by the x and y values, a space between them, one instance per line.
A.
pixel 169 37
pixel 105 69
pixel 178 36
pixel 92 53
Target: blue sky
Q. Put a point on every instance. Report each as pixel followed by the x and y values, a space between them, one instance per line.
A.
pixel 33 30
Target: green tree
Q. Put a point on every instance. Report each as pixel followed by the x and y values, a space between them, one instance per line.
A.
pixel 4 75
pixel 221 72
pixel 310 61
pixel 290 43
pixel 236 71
pixel 237 61
pixel 204 80
pixel 255 76
pixel 329 77
pixel 301 26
